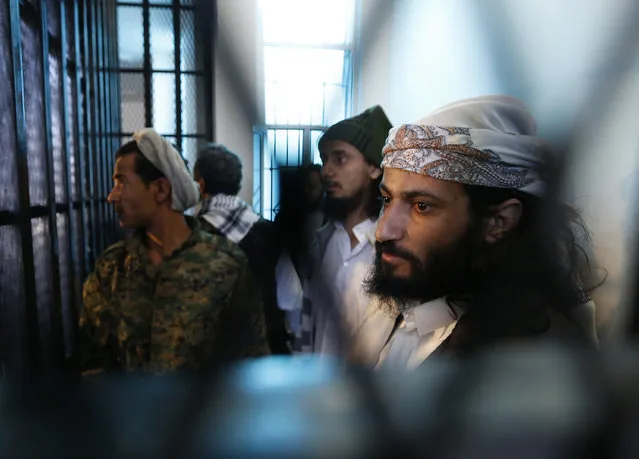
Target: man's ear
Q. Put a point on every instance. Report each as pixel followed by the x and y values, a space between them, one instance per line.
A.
pixel 163 186
pixel 202 186
pixel 375 173
pixel 503 219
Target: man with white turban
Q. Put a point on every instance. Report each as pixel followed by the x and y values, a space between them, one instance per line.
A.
pixel 171 297
pixel 460 264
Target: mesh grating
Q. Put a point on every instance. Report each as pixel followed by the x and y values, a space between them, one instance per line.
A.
pixel 163 102
pixel 162 39
pixel 131 101
pixel 130 37
pixel 192 88
pixel 188 44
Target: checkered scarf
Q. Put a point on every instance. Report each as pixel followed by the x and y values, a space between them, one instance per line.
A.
pixel 230 215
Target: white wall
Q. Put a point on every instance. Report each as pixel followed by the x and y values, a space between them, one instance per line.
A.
pixel 549 53
pixel 238 90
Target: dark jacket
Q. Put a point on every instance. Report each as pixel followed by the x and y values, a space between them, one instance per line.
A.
pixel 261 249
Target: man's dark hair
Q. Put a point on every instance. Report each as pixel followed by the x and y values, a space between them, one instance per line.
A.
pixel 143 167
pixel 537 262
pixel 220 168
pixel 375 199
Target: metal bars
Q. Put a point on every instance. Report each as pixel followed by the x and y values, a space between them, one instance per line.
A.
pixel 29 348
pixel 188 73
pixel 61 236
pixel 54 349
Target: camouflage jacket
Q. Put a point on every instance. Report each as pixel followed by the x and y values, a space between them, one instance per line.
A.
pixel 194 310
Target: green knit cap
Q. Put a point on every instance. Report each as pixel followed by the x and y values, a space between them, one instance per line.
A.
pixel 367 132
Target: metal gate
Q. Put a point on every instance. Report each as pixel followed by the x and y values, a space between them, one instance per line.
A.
pixel 60 120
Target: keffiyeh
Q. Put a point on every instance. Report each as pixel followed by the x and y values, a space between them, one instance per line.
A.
pixel 230 215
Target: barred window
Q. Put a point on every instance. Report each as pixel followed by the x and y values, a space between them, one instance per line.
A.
pixel 307 85
pixel 162 72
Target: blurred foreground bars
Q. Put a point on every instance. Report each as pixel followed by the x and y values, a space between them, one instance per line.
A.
pixel 546 403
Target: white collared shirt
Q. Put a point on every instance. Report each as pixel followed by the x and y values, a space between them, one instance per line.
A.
pixel 422 330
pixel 342 271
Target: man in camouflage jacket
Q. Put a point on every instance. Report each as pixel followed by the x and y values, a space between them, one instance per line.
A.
pixel 171 297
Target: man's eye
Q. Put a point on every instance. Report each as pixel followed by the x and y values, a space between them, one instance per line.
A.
pixel 421 207
pixel 386 200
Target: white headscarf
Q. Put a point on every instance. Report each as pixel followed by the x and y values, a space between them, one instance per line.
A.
pixel 487 141
pixel 160 152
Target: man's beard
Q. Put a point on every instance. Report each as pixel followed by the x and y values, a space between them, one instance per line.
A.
pixel 447 271
pixel 339 208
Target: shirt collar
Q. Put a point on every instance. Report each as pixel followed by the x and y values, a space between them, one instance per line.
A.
pixel 135 244
pixel 428 317
pixel 362 231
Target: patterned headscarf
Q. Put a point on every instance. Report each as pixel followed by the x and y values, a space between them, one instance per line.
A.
pixel 487 141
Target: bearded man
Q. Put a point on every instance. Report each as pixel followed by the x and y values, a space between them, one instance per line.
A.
pixel 342 250
pixel 461 263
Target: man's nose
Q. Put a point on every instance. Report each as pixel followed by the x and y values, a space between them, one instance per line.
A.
pixel 391 225
pixel 327 171
pixel 113 197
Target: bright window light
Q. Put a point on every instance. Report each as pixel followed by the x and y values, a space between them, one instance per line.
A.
pixel 308 22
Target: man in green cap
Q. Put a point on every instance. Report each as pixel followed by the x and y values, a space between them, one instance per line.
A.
pixel 343 249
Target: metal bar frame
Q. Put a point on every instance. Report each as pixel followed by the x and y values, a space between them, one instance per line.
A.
pixel 57 339
pixel 88 126
pixel 306 147
pixel 96 105
pixel 177 43
pixel 140 70
pixel 184 136
pixel 208 29
pixel 31 327
pixel 310 127
pixel 148 70
pixel 79 131
pixel 66 148
pixel 115 95
pixel 103 103
pixel 163 5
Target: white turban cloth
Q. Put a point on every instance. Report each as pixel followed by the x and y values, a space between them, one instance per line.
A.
pixel 486 141
pixel 184 191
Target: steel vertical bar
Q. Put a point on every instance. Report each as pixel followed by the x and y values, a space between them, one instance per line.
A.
pixel 31 327
pixel 95 132
pixel 178 76
pixel 307 148
pixel 148 75
pixel 105 230
pixel 73 249
pixel 207 27
pixel 106 139
pixel 273 166
pixel 56 345
pixel 113 102
pixel 116 86
pixel 79 115
pixel 90 170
